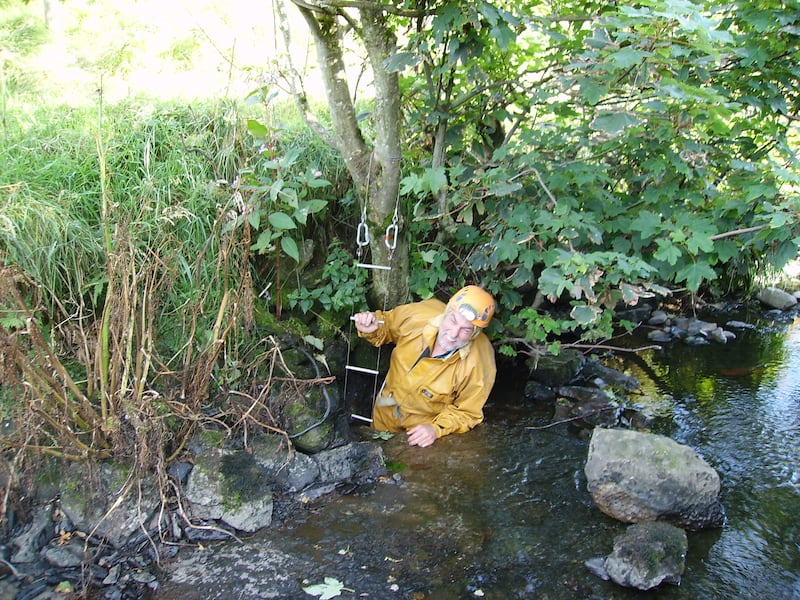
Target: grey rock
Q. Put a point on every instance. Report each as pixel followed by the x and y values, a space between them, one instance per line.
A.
pixel 776 298
pixel 739 325
pixel 660 336
pixel 647 555
pixel 230 486
pixel 597 566
pixel 634 476
pixel 638 314
pixel 108 506
pixel 613 377
pixel 291 470
pixel 658 318
pixel 68 555
pixel 718 335
pixel 29 542
pixel 358 461
pixel 538 392
pixel 557 370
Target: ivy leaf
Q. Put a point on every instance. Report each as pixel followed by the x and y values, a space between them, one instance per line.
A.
pixel 330 589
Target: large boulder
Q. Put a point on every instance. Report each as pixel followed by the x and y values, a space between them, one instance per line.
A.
pixel 230 486
pixel 776 298
pixel 647 555
pixel 105 503
pixel 634 476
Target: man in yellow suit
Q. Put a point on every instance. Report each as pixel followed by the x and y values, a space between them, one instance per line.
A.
pixel 442 368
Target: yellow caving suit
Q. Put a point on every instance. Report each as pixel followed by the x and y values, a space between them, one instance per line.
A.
pixel 448 393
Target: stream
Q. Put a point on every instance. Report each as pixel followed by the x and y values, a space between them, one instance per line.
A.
pixel 502 512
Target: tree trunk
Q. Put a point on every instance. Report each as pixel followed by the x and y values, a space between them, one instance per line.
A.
pixel 375 171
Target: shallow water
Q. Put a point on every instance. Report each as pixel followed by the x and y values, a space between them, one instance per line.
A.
pixel 502 512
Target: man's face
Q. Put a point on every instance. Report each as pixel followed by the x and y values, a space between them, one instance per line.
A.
pixel 455 331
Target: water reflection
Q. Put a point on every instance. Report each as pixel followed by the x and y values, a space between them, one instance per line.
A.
pixel 503 512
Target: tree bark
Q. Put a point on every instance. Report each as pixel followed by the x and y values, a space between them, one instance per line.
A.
pixel 375 170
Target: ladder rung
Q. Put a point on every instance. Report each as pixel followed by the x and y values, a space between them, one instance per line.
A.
pixel 371 266
pixel 361 369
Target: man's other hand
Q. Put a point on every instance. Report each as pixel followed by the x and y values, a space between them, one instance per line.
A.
pixel 421 435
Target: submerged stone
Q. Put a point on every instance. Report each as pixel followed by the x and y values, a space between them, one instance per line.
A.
pixel 647 555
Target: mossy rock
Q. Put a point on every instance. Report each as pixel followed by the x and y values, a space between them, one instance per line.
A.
pixel 301 416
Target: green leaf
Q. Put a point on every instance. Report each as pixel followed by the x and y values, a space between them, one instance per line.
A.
pixel 263 243
pixel 434 179
pixel 281 220
pixel 627 57
pixel 592 91
pixel 667 252
pixel 400 61
pixel 613 122
pixel 695 274
pixel 585 314
pixel 647 224
pixel 552 283
pixel 314 342
pixel 429 256
pixel 256 129
pixel 503 35
pixel 506 249
pixel 289 246
pixel 254 219
pixel 64 587
pixel 504 188
pixel 314 206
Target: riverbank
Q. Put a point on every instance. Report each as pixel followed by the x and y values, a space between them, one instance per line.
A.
pixel 148 569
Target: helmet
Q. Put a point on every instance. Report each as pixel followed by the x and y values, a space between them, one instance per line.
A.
pixel 474 304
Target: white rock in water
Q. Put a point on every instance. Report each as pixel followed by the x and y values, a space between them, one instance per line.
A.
pixel 776 298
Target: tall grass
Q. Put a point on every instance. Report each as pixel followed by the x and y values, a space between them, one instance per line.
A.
pixel 127 283
pixel 119 288
pixel 126 295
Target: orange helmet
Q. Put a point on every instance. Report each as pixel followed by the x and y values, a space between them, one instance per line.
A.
pixel 474 304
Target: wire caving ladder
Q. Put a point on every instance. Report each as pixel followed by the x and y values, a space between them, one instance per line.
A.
pixel 362 245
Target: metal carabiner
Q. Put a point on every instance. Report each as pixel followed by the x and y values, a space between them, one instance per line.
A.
pixel 390 237
pixel 362 234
